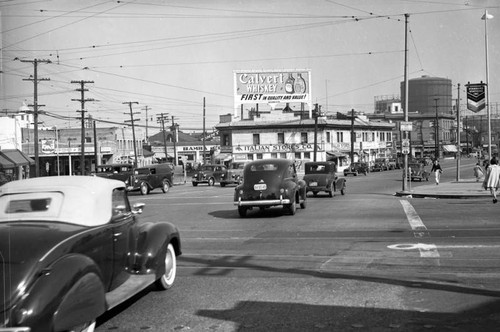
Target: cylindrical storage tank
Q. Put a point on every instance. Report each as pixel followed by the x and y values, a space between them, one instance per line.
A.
pixel 424 91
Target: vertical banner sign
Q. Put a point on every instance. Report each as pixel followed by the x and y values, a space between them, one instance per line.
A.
pixel 272 86
pixel 476 97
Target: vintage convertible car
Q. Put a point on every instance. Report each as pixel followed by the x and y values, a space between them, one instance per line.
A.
pixel 270 182
pixel 321 176
pixel 71 248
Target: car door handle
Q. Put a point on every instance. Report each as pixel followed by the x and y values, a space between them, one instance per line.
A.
pixel 117 234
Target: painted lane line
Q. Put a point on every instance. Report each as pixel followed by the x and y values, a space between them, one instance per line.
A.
pixel 419 230
pixel 426 246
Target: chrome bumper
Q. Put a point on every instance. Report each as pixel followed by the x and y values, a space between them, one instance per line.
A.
pixel 265 202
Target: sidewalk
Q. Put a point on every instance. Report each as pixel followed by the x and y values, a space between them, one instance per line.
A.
pixel 465 188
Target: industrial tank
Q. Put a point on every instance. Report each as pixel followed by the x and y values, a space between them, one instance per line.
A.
pixel 426 93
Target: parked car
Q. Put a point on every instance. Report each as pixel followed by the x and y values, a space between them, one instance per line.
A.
pixel 321 176
pixel 150 177
pixel 356 168
pixel 233 174
pixel 270 182
pixel 120 172
pixel 209 174
pixel 394 163
pixel 72 248
pixel 417 172
pixel 380 164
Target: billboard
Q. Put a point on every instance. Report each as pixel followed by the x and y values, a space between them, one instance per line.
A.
pixel 272 86
pixel 476 97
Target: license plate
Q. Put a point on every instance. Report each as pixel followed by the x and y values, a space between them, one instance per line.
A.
pixel 313 184
pixel 259 186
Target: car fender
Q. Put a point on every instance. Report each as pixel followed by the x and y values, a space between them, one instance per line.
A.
pixel 68 293
pixel 151 247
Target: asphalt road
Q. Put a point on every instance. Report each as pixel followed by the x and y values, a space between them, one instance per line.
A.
pixel 365 261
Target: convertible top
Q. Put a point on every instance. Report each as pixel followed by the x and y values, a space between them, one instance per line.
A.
pixel 81 200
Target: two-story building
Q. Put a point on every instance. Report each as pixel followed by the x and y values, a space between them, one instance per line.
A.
pixel 279 134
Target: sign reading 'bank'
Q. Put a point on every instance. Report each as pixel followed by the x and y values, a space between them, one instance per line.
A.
pixel 476 97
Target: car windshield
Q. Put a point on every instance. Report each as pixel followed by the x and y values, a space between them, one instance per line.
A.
pixel 206 168
pixel 142 171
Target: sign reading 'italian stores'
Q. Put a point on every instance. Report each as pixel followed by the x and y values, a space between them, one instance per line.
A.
pixel 272 86
pixel 476 97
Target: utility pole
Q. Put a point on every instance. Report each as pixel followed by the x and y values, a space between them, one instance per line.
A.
pixel 146 108
pixel 203 135
pixel 353 135
pixel 82 101
pixel 459 146
pixel 35 105
pixel 405 109
pixel 132 120
pixel 316 114
pixel 173 129
pixel 436 130
pixel 161 119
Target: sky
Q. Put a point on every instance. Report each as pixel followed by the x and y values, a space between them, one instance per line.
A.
pixel 179 56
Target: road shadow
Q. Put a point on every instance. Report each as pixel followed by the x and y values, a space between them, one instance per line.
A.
pixel 285 316
pixel 268 213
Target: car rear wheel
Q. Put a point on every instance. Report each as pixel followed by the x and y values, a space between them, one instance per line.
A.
pixel 331 191
pixel 242 211
pixel 303 204
pixel 342 191
pixel 144 189
pixel 195 184
pixel 165 187
pixel 167 279
pixel 222 184
pixel 355 173
pixel 211 181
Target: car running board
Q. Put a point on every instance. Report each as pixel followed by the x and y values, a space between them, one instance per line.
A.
pixel 129 288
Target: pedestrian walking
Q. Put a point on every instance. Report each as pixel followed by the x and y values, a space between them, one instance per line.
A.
pixel 436 168
pixel 492 178
pixel 478 172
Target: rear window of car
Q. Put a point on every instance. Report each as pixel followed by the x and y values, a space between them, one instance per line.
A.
pixel 264 168
pixel 316 168
pixel 44 205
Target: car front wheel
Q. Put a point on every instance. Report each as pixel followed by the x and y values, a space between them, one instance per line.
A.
pixel 88 327
pixel 144 189
pixel 211 181
pixel 167 279
pixel 165 187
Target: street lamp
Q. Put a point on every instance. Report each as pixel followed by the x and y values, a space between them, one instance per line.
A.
pixel 487 17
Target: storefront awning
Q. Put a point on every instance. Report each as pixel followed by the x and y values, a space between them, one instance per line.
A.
pixel 450 148
pixel 17 157
pixel 336 154
pixel 5 163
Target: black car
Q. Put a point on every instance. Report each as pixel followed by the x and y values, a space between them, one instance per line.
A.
pixel 72 247
pixel 150 177
pixel 209 174
pixel 270 182
pixel 321 176
pixel 356 168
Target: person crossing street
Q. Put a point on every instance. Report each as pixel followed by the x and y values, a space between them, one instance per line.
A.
pixel 436 168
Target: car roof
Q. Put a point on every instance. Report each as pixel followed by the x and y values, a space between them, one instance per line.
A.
pixel 87 200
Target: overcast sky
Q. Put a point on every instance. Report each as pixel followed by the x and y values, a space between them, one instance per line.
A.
pixel 168 55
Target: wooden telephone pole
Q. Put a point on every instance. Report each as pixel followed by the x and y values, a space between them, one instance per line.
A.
pixel 82 101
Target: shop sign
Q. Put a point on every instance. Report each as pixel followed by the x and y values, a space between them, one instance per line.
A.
pixel 294 147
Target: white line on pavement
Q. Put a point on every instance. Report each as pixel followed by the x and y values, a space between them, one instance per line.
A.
pixel 418 227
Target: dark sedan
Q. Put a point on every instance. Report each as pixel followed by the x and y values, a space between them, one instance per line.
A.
pixel 321 176
pixel 71 248
pixel 270 182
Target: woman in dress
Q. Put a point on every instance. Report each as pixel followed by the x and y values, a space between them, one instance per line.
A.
pixel 492 179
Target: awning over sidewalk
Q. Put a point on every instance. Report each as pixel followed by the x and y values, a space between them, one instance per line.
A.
pixel 450 148
pixel 5 163
pixel 336 154
pixel 16 157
